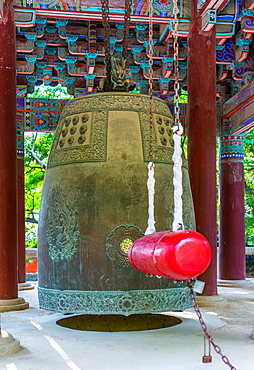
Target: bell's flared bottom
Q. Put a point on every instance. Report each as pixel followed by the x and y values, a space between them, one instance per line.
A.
pixel 115 302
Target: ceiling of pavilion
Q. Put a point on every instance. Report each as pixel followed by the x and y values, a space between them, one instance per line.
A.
pixel 62 41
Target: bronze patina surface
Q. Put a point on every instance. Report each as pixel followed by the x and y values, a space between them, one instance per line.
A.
pixel 94 204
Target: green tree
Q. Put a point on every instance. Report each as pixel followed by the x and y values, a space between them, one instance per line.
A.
pixel 183 97
pixel 50 92
pixel 37 147
pixel 249 186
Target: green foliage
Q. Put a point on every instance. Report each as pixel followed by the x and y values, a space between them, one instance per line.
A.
pixel 135 91
pixel 37 148
pixel 249 186
pixel 31 235
pixel 183 97
pixel 50 92
pixel 185 146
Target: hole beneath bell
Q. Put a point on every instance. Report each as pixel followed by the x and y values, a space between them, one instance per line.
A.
pixel 114 323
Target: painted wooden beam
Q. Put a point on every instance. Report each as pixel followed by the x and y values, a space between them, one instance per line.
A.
pixel 240 110
pixel 212 4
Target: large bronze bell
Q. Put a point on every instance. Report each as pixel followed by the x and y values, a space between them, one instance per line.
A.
pixel 95 204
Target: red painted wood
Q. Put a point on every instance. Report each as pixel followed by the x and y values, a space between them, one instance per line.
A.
pixel 8 219
pixel 232 265
pixel 212 4
pixel 21 223
pixel 202 137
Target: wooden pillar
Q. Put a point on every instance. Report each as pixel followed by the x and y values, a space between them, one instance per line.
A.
pixel 8 205
pixel 232 259
pixel 9 300
pixel 202 136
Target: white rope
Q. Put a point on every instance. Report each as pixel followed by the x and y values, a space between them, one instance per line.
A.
pixel 177 182
pixel 151 180
pixel 151 191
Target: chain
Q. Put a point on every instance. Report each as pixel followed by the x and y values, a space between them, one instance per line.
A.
pixel 205 330
pixel 150 55
pixel 127 17
pixel 105 21
pixel 176 61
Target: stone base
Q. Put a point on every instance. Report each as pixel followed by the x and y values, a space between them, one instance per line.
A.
pixel 8 345
pixel 25 286
pixel 13 304
pixel 209 301
pixel 233 283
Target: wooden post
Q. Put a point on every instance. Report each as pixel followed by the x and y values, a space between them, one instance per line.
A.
pixel 8 204
pixel 232 259
pixel 202 136
pixel 8 190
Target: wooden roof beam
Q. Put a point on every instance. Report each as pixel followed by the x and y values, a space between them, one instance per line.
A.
pixel 212 4
pixel 249 4
pixel 113 17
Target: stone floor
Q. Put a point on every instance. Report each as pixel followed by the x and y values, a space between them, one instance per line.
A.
pixel 47 346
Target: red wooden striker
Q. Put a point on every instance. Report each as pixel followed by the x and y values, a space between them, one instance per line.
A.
pixel 179 255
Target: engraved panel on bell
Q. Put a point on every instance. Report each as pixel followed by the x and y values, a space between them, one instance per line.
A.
pixel 163 129
pixel 76 131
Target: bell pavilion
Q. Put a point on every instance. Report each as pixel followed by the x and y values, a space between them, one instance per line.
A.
pixel 162 48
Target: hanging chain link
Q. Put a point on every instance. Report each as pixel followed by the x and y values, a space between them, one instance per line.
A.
pixel 127 18
pixel 176 68
pixel 205 330
pixel 150 55
pixel 105 22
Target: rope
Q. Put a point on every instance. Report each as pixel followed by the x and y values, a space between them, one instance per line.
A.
pixel 177 132
pixel 151 180
pixel 150 186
